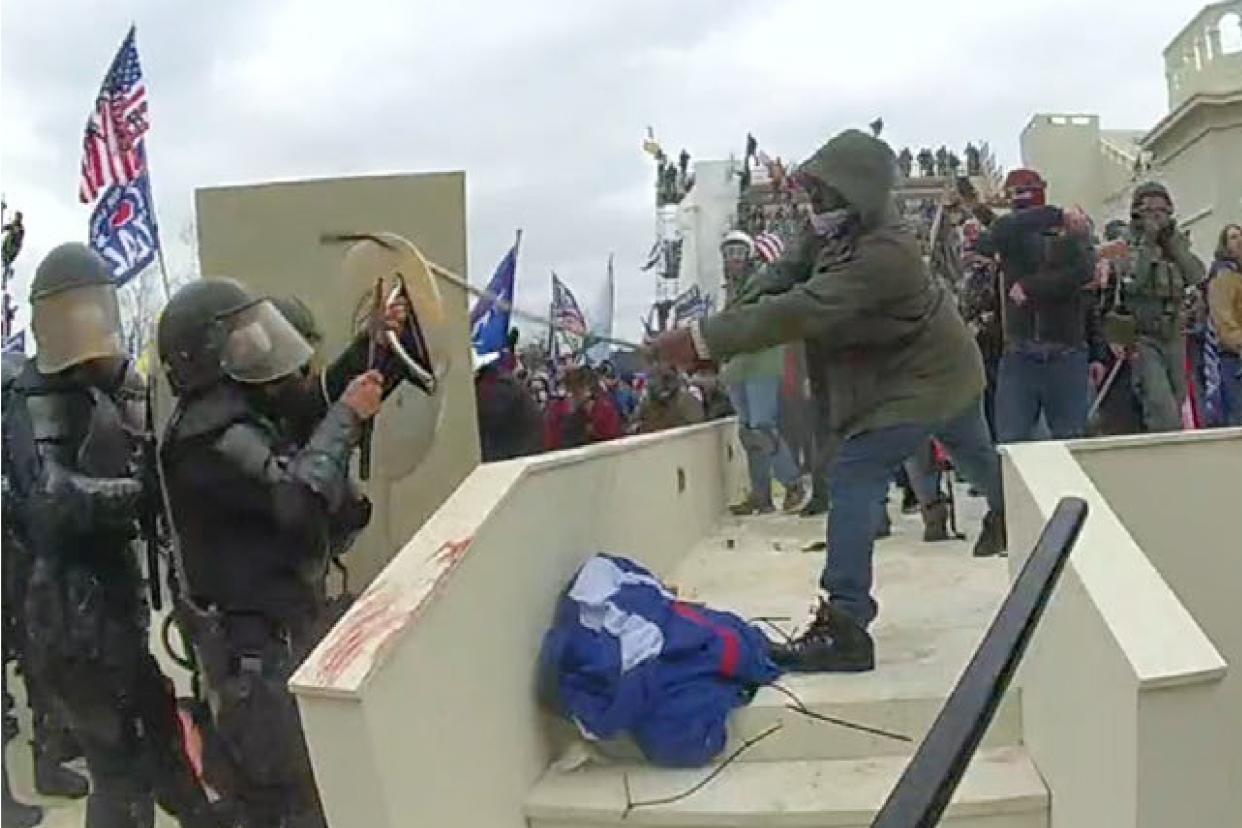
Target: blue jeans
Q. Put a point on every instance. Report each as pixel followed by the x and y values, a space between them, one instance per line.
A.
pixel 757 403
pixel 1231 389
pixel 1054 383
pixel 859 479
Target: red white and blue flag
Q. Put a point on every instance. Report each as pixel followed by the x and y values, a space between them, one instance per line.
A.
pixel 123 229
pixel 769 247
pixel 570 331
pixel 112 151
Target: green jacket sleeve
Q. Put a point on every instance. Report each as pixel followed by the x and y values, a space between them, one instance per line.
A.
pixel 836 306
pixel 1178 249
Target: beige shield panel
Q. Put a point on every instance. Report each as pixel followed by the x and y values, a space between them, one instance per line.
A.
pixel 406 426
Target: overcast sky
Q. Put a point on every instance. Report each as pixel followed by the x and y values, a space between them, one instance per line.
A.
pixel 544 103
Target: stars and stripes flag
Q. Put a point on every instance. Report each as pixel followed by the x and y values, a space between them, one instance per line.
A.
pixel 112 151
pixel 569 335
pixel 769 247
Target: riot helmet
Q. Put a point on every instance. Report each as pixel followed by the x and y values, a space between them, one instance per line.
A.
pixel 74 310
pixel 301 317
pixel 215 328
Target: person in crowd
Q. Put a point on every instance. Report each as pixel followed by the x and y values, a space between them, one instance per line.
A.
pixel 510 422
pixel 706 379
pixel 259 513
pixel 623 396
pixel 509 359
pixel 1117 409
pixel 903 367
pixel 70 454
pixel 585 415
pixel 1225 316
pixel 1047 367
pixel 667 403
pixel 980 306
pixel 754 382
pixel 1160 272
pixel 537 385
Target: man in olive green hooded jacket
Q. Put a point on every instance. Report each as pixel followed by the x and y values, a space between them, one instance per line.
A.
pixel 902 367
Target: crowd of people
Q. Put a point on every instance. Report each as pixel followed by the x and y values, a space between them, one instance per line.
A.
pixel 547 405
pixel 1044 331
pixel 845 359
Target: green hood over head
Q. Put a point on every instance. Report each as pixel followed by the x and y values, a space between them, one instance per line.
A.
pixel 861 168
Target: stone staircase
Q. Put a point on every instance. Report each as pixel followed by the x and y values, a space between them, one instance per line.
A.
pixel 936 601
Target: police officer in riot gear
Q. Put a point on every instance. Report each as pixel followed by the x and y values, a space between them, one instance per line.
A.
pixel 71 449
pixel 256 464
pixel 17 563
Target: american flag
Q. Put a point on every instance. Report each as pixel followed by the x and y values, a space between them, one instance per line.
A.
pixel 769 247
pixel 566 313
pixel 112 150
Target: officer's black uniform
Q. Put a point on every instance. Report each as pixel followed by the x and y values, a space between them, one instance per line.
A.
pixel 260 501
pixel 72 454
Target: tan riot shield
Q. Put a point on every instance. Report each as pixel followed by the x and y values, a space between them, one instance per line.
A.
pixel 406 425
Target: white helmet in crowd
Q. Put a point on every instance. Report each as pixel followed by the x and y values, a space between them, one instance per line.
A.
pixel 741 239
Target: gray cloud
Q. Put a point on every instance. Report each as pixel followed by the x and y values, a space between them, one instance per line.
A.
pixel 544 104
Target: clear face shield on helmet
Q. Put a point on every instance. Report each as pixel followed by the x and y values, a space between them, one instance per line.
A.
pixel 76 325
pixel 736 259
pixel 261 345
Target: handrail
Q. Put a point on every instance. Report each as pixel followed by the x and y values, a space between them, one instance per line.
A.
pixel 922 793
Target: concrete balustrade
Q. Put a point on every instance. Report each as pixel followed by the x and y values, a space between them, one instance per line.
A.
pixel 420 706
pixel 1126 689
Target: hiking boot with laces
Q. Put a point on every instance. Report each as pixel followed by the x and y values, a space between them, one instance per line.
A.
pixel 795 498
pixel 752 505
pixel 834 643
pixel 993 538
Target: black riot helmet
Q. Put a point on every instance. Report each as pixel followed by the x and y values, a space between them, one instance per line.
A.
pixel 301 317
pixel 216 328
pixel 74 310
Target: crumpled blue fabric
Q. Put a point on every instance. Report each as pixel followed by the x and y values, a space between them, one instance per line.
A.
pixel 623 655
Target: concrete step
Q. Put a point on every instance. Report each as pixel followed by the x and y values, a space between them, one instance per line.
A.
pixel 936 602
pixel 1001 789
pixel 803 736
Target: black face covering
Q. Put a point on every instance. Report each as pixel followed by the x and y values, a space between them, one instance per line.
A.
pixel 294 402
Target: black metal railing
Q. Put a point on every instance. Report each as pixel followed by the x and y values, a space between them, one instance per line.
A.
pixel 924 790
